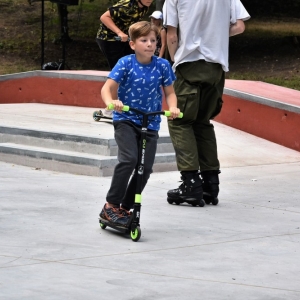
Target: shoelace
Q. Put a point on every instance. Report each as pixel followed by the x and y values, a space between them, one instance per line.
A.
pixel 124 212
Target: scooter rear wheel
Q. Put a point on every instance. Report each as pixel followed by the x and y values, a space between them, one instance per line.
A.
pixel 102 225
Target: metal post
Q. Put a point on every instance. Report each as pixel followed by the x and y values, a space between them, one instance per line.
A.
pixel 42 37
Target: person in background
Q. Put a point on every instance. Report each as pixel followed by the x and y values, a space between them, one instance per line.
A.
pixel 198 40
pixel 156 19
pixel 137 80
pixel 115 22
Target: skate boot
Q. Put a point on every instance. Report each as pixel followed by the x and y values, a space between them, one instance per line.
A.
pixel 210 185
pixel 190 191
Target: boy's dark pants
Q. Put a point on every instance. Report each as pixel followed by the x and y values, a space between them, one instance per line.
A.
pixel 127 136
pixel 199 88
pixel 113 51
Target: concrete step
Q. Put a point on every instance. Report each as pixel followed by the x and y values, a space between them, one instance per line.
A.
pixel 72 161
pixel 70 142
pixel 55 140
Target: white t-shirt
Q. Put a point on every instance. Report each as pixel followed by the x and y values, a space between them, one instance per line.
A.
pixel 204 28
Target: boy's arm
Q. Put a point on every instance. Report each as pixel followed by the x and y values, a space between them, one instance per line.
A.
pixel 109 94
pixel 171 101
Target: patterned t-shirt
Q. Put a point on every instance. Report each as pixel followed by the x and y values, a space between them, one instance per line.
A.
pixel 124 13
pixel 140 86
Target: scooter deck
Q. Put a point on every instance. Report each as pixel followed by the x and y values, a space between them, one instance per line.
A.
pixel 114 226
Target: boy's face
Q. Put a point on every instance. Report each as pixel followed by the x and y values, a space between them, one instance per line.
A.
pixel 144 47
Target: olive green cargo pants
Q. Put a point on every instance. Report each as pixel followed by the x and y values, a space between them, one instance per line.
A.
pixel 199 88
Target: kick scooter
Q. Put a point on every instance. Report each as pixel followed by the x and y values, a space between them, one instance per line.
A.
pixel 134 226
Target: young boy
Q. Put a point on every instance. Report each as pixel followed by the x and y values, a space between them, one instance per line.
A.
pixel 137 81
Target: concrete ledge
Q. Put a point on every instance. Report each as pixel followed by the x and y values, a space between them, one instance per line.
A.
pixel 57 166
pixel 265 110
pixel 262 100
pixel 65 74
pixel 59 141
pixel 73 162
pixel 77 88
pixel 69 142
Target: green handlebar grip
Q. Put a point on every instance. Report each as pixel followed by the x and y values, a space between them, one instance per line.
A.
pixel 111 107
pixel 168 114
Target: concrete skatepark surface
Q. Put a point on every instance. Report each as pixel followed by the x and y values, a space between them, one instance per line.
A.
pixel 247 247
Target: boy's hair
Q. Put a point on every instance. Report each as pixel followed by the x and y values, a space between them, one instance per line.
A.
pixel 142 28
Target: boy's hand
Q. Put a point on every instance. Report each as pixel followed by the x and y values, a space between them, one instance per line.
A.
pixel 174 112
pixel 118 105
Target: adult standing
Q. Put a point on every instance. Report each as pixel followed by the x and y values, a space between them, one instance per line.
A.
pixel 116 22
pixel 198 39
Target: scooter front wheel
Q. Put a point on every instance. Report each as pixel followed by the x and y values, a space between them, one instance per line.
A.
pixel 136 234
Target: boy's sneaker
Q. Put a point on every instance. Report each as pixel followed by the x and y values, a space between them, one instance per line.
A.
pixel 113 215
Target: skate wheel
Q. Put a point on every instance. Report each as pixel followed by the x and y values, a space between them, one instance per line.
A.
pixel 207 198
pixel 170 201
pixel 102 226
pixel 215 201
pixel 210 200
pixel 96 116
pixel 136 234
pixel 201 203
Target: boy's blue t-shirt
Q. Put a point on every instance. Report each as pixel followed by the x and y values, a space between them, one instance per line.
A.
pixel 140 86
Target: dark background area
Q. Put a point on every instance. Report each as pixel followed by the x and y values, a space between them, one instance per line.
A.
pixel 274 8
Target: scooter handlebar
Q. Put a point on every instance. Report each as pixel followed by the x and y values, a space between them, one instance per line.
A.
pixel 167 113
